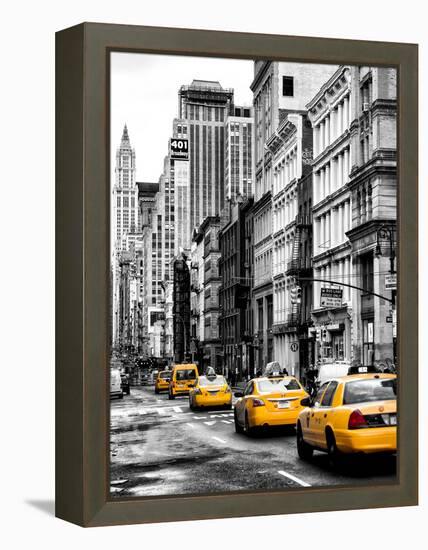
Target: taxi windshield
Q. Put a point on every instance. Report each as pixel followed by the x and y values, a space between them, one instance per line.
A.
pixel 361 391
pixel 212 381
pixel 185 374
pixel 278 384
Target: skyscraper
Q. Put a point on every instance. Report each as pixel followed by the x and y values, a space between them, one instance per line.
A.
pixel 205 105
pixel 125 218
pixel 125 192
pixel 238 158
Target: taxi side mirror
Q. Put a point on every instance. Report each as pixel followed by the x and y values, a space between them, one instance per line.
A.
pixel 238 394
pixel 306 402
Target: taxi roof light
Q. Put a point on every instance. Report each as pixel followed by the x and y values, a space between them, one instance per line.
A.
pixel 356 420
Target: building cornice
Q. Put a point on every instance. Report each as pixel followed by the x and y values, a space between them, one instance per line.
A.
pixel 260 75
pixel 328 254
pixel 376 165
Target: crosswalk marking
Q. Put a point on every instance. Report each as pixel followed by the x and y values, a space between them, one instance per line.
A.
pixel 227 421
pixel 211 423
pixel 171 411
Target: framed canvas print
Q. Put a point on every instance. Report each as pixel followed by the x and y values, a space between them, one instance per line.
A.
pixel 236 274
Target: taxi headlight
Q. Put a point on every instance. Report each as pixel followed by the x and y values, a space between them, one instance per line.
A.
pixel 227 390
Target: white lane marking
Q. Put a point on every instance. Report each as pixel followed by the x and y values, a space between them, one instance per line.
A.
pixel 221 415
pixel 294 478
pixel 227 421
pixel 211 423
pixel 218 439
pixel 177 409
pixel 190 424
pixel 200 417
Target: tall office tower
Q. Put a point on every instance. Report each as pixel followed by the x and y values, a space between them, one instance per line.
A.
pixel 238 175
pixel 125 218
pixel 180 183
pixel 205 106
pixel 125 192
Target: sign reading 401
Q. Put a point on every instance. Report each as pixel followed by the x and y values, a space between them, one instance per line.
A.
pixel 179 149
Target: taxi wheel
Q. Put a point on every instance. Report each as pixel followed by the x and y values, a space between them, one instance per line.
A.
pixel 170 395
pixel 156 390
pixel 304 450
pixel 334 455
pixel 247 428
pixel 238 427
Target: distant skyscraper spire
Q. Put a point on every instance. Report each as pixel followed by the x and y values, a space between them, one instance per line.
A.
pixel 125 138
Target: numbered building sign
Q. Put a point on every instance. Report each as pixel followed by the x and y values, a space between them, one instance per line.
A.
pixel 331 297
pixel 179 149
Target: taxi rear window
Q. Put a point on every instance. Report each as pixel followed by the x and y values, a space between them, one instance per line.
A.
pixel 279 384
pixel 185 374
pixel 164 374
pixel 362 391
pixel 215 381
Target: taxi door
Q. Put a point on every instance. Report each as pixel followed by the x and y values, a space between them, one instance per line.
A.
pixel 242 404
pixel 310 424
pixel 324 414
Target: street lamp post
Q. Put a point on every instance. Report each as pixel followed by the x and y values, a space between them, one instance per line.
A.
pixel 385 233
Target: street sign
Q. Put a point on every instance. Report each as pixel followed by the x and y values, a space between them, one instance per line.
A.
pixel 294 346
pixel 331 297
pixel 389 319
pixel 179 149
pixel 391 281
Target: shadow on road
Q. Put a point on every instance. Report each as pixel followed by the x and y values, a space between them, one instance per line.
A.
pixel 359 466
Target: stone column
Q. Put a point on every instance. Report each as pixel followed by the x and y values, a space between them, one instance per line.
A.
pixel 327 179
pixel 322 234
pixel 340 170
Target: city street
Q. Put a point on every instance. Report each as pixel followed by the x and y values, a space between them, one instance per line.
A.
pixel 160 447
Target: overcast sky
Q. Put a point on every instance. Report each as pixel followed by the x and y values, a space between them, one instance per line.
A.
pixel 144 91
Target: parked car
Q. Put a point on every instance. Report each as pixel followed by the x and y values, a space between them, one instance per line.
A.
pixel 125 383
pixel 144 379
pixel 115 384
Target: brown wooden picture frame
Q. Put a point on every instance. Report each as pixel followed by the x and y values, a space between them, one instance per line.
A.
pixel 82 272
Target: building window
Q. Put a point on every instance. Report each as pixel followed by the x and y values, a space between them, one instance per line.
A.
pixel 367 272
pixel 288 86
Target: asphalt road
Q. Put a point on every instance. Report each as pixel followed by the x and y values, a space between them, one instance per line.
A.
pixel 160 447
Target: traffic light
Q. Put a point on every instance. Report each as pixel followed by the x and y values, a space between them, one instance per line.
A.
pixel 296 294
pixel 324 334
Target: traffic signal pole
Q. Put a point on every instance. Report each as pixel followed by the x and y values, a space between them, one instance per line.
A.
pixel 348 285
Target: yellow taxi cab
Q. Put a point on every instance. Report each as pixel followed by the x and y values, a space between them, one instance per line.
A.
pixel 183 379
pixel 211 390
pixel 162 381
pixel 273 400
pixel 350 414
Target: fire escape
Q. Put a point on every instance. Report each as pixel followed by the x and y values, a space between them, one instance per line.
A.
pixel 299 266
